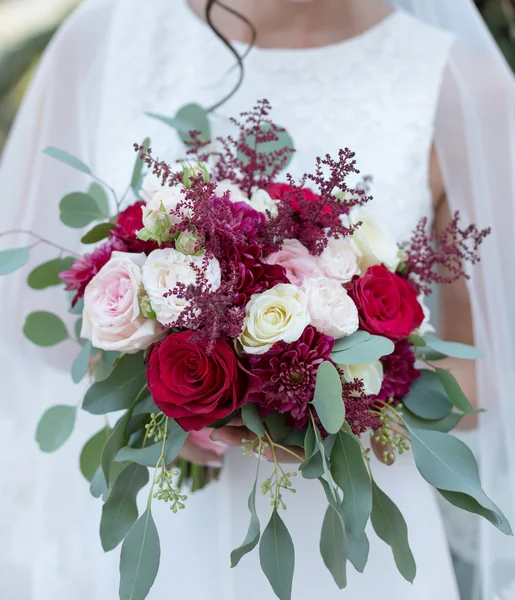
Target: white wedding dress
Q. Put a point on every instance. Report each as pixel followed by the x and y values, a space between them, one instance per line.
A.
pixel 376 93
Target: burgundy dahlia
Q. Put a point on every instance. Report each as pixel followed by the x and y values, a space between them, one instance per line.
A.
pixel 287 374
pixel 84 269
pixel 244 220
pixel 129 222
pixel 399 372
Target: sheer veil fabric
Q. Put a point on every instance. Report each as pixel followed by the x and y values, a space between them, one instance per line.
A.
pixel 475 140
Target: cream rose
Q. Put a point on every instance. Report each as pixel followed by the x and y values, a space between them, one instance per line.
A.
pixel 279 314
pixel 164 269
pixel 157 219
pixel 372 242
pixel 332 310
pixel 338 261
pixel 263 203
pixel 111 318
pixel 371 374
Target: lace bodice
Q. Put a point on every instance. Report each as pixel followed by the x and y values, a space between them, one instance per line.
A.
pixel 376 93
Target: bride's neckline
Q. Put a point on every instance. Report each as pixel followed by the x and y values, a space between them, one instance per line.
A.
pixel 365 35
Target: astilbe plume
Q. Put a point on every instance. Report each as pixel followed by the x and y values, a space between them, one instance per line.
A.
pixel 432 258
pixel 358 407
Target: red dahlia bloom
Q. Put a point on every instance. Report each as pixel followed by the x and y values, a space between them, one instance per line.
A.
pixel 399 372
pixel 294 196
pixel 129 222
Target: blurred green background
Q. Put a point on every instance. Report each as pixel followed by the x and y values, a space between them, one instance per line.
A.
pixel 26 26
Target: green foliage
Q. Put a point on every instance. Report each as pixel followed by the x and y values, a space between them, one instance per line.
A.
pixel 191 117
pixel 327 400
pixel 13 259
pixel 357 551
pixel 55 427
pixel 427 398
pixel 253 534
pixel 367 351
pixel 98 193
pixel 445 425
pixel 454 392
pixel 91 454
pixel 252 418
pixel 79 209
pixel 47 274
pixel 138 169
pixel 99 232
pixel 68 159
pixel 45 329
pixel 81 363
pixel 333 547
pixel 116 440
pixel 277 556
pixel 350 341
pixel 453 349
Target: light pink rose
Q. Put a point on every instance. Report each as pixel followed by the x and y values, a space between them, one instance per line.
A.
pixel 338 261
pixel 297 261
pixel 332 310
pixel 202 440
pixel 111 317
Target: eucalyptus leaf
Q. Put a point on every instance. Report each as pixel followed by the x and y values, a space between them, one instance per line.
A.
pixel 116 440
pixel 277 556
pixel 313 467
pixel 390 526
pixel 277 427
pixel 119 390
pixel 98 193
pixel 252 418
pixel 295 439
pixel 92 453
pixel 197 117
pixel 67 158
pixel 447 424
pixel 47 274
pixel 99 232
pixel 81 363
pixel 253 534
pixel 365 352
pixel 427 398
pixel 327 400
pixel 145 406
pixel 120 511
pixel 357 551
pixel 351 475
pixel 13 259
pixel 429 354
pixel 138 167
pixel 323 455
pixel 350 341
pixel 453 349
pixel 179 124
pixel 417 340
pixel 454 392
pixel 79 209
pixel 79 305
pixel 333 547
pixel 139 559
pixel 44 329
pixel 310 441
pixel 55 427
pixel 98 487
pixel 283 141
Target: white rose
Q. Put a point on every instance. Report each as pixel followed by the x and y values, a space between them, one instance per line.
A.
pixel 338 261
pixel 111 318
pixel 372 242
pixel 279 314
pixel 263 203
pixel 371 374
pixel 426 326
pixel 157 220
pixel 153 184
pixel 235 194
pixel 161 273
pixel 332 310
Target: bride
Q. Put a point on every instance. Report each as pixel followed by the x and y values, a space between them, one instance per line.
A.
pixel 427 105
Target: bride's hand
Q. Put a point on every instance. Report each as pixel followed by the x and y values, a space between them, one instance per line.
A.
pixel 201 450
pixel 236 434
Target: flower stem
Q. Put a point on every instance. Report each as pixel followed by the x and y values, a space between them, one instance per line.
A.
pixel 39 240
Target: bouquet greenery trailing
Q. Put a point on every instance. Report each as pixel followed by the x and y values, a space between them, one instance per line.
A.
pixel 223 293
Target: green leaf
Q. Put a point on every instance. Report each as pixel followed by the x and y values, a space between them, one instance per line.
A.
pixel 252 418
pixel 323 455
pixel 277 427
pixel 429 354
pixel 178 124
pixel 118 391
pixel 365 352
pixel 13 259
pixel 116 440
pixel 55 427
pixel 79 305
pixel 313 467
pixel 138 167
pixel 284 140
pixel 98 193
pixel 67 158
pixel 99 232
pixel 417 340
pixel 92 453
pixel 277 556
pixel 120 511
pixel 454 392
pixel 450 422
pixel 470 505
pixel 310 441
pixel 390 526
pixel 98 485
pixel 81 363
pixel 333 547
pixel 294 438
pixel 350 341
pixel 327 400
pixel 357 551
pixel 79 209
pixel 449 465
pixel 427 398
pixel 453 349
pixel 47 274
pixel 351 475
pixel 197 118
pixel 45 329
pixel 139 560
pixel 145 406
pixel 252 538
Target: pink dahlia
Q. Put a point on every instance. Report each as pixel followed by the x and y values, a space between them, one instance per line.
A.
pixel 84 269
pixel 399 372
pixel 129 222
pixel 287 374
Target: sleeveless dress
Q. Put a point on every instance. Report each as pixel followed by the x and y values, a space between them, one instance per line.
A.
pixel 376 93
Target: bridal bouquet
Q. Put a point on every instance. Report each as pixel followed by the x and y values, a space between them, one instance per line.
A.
pixel 225 293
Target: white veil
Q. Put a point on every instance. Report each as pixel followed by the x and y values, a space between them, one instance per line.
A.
pixel 475 140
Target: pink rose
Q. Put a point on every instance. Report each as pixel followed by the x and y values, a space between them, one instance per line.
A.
pixel 111 316
pixel 297 261
pixel 338 261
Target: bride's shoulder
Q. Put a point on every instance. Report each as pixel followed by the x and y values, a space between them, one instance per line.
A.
pixel 417 34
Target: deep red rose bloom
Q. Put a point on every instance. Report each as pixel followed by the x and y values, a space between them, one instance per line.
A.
pixel 129 222
pixel 192 386
pixel 294 196
pixel 387 304
pixel 399 372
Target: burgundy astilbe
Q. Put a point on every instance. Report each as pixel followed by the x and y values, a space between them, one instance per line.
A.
pixel 358 407
pixel 287 374
pixel 399 373
pixel 433 258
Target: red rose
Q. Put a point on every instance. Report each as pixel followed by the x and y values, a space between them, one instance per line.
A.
pixel 129 222
pixel 387 304
pixel 192 386
pixel 285 192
